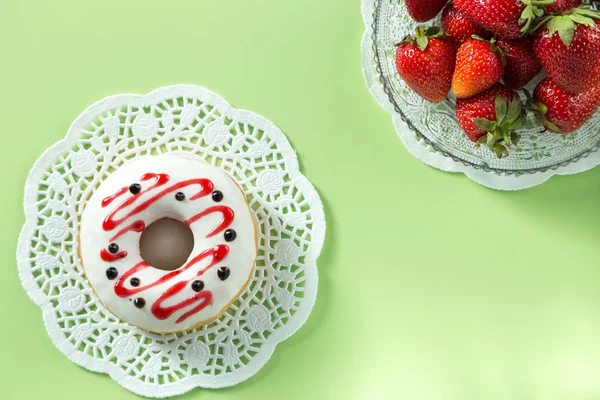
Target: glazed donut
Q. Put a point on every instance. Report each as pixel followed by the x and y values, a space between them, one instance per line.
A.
pixel 184 188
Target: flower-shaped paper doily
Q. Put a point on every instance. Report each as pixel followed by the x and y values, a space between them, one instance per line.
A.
pixel 280 295
pixel 431 133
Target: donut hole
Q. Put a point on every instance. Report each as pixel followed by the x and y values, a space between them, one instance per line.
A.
pixel 166 244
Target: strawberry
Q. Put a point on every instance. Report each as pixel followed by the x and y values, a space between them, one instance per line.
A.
pixel 424 10
pixel 562 5
pixel 521 64
pixel 479 65
pixel 568 47
pixel 506 18
pixel 460 27
pixel 560 111
pixel 426 63
pixel 492 117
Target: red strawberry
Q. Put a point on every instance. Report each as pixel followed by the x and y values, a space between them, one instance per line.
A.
pixel 507 18
pixel 560 111
pixel 521 64
pixel 479 65
pixel 569 48
pixel 460 27
pixel 424 10
pixel 562 5
pixel 492 117
pixel 426 63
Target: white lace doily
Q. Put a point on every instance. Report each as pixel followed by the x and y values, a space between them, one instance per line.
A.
pixel 257 155
pixel 520 177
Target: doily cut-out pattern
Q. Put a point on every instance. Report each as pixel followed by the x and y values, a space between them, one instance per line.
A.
pixel 430 131
pixel 288 210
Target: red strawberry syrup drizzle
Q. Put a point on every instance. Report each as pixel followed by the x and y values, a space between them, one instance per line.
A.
pixel 216 254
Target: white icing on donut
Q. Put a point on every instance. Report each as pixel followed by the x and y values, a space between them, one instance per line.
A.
pixel 115 215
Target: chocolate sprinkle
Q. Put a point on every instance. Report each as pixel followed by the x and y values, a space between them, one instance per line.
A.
pixel 230 235
pixel 135 188
pixel 197 286
pixel 139 302
pixel 113 248
pixel 112 273
pixel 179 196
pixel 223 273
pixel 217 196
pixel 135 282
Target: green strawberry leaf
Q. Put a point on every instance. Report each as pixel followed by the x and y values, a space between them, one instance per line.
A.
pixel 587 12
pixel 520 122
pixel 583 20
pixel 434 31
pixel 485 124
pixel 501 107
pixel 500 150
pixel 515 138
pixel 551 126
pixel 539 12
pixel 541 22
pixel 540 119
pixel 531 13
pixel 565 26
pixel 422 36
pixel 422 42
pixel 516 114
pixel 514 110
pixel 539 111
pixel 501 136
pixel 491 140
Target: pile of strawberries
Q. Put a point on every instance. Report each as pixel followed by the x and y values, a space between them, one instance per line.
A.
pixel 487 50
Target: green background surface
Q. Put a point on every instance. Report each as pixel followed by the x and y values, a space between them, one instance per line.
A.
pixel 432 287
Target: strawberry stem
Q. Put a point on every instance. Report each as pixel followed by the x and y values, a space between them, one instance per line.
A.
pixel 422 36
pixel 501 133
pixel 534 9
pixel 565 24
pixel 494 47
pixel 539 110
